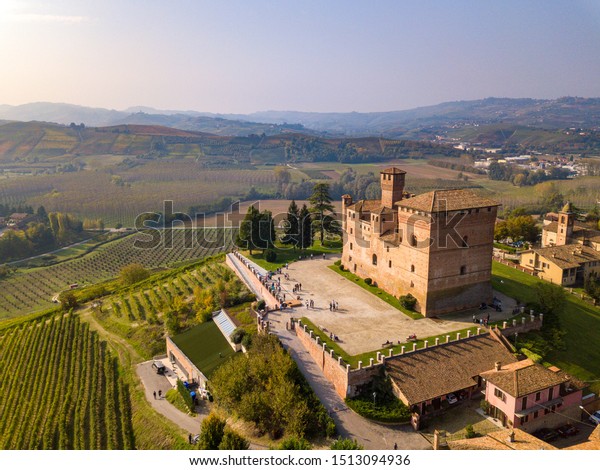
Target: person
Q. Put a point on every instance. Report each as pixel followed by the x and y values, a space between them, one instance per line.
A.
pixel 307 304
pixel 323 255
pixel 474 319
pixel 159 393
pixel 395 446
pixel 154 393
pixel 190 438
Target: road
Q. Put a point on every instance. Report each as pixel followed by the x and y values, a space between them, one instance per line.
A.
pixel 349 424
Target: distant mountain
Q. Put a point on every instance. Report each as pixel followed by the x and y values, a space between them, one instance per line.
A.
pixel 420 123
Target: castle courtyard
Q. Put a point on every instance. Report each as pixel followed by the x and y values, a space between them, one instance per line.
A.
pixel 363 322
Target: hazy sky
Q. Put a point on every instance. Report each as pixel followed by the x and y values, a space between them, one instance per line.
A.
pixel 325 55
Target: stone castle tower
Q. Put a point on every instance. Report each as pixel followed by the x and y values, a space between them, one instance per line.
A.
pixel 566 221
pixel 413 244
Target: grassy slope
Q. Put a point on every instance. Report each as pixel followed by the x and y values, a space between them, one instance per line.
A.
pixel 580 321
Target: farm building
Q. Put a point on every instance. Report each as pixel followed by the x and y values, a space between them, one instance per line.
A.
pixel 198 352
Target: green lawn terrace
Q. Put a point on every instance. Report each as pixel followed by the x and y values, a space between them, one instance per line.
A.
pixel 205 346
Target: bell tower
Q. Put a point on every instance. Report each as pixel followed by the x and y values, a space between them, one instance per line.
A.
pixel 392 186
pixel 566 220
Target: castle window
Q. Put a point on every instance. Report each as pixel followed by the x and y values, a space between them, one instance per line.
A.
pixel 562 219
pixel 351 230
pixel 413 240
pixel 412 284
pixel 412 268
pixel 374 260
pixel 390 263
pixel 351 245
pixel 388 249
pixel 463 270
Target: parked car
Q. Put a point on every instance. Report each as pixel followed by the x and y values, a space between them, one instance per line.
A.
pixel 546 434
pixel 595 417
pixel 567 430
pixel 159 367
pixel 452 399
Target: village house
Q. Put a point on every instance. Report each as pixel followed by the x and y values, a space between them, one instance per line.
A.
pixel 423 380
pixel 19 219
pixel 569 252
pixel 529 396
pixel 436 246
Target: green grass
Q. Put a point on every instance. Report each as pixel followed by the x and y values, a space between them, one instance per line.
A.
pixel 579 320
pixel 397 348
pixel 205 346
pixel 390 299
pixel 287 255
pixel 175 399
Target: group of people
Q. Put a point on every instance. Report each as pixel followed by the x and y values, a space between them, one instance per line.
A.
pixel 159 394
pixel 297 288
pixel 333 337
pixel 310 303
pixel 333 306
pixel 482 321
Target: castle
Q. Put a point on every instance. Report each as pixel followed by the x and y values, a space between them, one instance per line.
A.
pixel 436 246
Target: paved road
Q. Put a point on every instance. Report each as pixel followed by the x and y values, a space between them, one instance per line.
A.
pixel 349 424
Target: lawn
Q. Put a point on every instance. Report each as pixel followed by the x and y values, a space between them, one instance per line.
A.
pixel 580 321
pixel 288 255
pixel 205 346
pixel 390 299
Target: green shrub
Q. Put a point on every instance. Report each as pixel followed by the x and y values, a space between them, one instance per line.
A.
pixel 408 301
pixel 485 406
pixel 470 432
pixel 233 441
pixel 185 394
pixel 261 305
pixel 295 443
pixel 346 444
pixel 390 411
pixel 238 335
pixel 330 429
pixel 338 262
pixel 270 256
pixel 368 281
pixel 247 341
pixel 211 432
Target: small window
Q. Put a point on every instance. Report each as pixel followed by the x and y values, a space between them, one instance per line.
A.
pixel 463 270
pixel 500 394
pixel 550 394
pixel 388 249
pixel 412 284
pixel 489 209
pixel 412 268
pixel 535 414
pixel 374 260
pixel 477 211
pixel 351 231
pixel 413 240
pixel 390 263
pixel 538 395
pixel 524 403
pixel 351 245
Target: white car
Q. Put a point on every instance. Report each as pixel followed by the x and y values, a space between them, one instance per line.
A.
pixel 451 399
pixel 595 417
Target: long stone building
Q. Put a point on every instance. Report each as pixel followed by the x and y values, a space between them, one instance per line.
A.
pixel 436 246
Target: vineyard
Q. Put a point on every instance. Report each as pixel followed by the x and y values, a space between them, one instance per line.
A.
pixel 138 315
pixel 60 389
pixel 33 289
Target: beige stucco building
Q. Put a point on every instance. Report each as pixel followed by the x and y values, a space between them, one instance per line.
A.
pixel 569 252
pixel 436 246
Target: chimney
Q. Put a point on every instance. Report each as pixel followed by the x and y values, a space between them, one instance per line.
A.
pixel 497 366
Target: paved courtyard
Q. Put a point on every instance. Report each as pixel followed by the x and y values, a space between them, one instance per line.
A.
pixel 364 322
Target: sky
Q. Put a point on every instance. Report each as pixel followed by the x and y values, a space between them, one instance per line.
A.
pixel 241 56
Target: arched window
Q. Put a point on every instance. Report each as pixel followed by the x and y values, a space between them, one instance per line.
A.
pixel 413 240
pixel 412 268
pixel 374 260
pixel 390 263
pixel 463 270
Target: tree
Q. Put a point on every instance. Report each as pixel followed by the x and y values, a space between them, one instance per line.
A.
pixel 551 298
pixel 346 444
pixel 233 441
pixel 248 232
pixel 266 231
pixel 320 203
pixel 522 227
pixel 305 227
pixel 68 300
pixel 211 432
pixel 500 231
pixel 292 229
pixel 133 273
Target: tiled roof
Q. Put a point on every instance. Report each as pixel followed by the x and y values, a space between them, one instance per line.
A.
pixel 394 171
pixel 444 369
pixel 553 227
pixel 366 205
pixel 499 440
pixel 446 200
pixel 524 377
pixel 568 256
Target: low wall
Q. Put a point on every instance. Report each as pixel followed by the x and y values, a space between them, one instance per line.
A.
pixel 250 279
pixel 531 323
pixel 174 354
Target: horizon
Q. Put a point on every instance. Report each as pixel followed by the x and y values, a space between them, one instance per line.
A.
pixel 338 57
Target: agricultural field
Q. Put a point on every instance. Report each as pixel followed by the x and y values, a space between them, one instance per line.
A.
pixel 60 388
pixel 138 315
pixel 30 290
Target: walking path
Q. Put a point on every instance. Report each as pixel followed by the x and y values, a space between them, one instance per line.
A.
pixel 349 424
